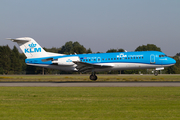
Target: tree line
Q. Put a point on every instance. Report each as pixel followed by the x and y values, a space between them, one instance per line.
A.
pixel 13 62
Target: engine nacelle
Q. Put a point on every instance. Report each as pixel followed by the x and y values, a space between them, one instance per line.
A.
pixel 66 60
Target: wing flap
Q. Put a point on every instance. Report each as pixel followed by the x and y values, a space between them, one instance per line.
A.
pixel 88 67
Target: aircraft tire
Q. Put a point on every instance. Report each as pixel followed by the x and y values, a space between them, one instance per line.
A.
pixel 155 72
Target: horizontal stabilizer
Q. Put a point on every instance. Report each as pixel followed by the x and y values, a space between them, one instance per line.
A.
pixel 23 39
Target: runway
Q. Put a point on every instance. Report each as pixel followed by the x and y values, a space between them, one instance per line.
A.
pixel 90 84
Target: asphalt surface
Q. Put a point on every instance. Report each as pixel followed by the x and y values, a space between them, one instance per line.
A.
pixel 91 84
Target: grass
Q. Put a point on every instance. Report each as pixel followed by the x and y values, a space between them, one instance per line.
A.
pixel 85 77
pixel 89 103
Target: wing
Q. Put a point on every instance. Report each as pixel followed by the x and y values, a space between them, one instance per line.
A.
pixel 88 67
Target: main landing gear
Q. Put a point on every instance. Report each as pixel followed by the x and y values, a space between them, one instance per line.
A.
pixel 93 76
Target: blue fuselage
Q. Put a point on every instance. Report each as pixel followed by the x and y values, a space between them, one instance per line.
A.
pixel 118 60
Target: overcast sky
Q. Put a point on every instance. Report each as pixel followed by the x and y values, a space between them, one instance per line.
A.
pixel 96 24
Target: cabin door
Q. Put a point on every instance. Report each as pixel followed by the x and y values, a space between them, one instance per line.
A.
pixel 152 59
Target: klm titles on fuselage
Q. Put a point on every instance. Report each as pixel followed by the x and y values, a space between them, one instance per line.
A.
pixel 123 55
pixel 32 49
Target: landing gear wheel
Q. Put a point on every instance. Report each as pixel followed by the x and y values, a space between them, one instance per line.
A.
pixel 93 77
pixel 155 72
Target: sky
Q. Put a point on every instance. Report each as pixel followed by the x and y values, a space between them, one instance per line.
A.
pixel 97 24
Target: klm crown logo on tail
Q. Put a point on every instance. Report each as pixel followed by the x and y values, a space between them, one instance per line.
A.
pixel 32 49
pixel 32 45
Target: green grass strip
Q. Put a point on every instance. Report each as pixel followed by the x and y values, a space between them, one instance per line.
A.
pixel 89 103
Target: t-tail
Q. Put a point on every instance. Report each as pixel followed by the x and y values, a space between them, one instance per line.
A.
pixel 30 47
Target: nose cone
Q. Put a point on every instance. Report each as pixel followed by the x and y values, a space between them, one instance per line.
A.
pixel 172 61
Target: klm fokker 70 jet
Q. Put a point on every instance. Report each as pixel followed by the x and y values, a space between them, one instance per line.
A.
pixel 37 56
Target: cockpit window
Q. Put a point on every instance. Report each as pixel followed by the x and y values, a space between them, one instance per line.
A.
pixel 162 55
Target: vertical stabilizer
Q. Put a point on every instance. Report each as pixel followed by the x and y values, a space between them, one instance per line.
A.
pixel 30 47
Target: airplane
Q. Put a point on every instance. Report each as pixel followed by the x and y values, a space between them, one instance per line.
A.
pixel 94 62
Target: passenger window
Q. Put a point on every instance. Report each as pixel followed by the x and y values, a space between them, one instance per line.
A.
pixel 114 58
pixel 111 58
pixel 108 58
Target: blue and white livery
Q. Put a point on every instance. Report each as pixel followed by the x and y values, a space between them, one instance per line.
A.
pixel 37 56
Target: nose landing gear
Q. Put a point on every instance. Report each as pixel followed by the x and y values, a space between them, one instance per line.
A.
pixel 156 72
